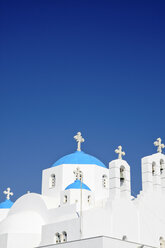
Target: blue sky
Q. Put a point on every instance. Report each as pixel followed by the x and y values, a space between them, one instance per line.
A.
pixel 68 66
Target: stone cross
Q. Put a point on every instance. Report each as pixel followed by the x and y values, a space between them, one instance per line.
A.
pixel 8 193
pixel 159 144
pixel 78 173
pixel 79 140
pixel 120 152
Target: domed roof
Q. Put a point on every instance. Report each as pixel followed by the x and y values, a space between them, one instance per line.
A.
pixel 77 185
pixel 6 204
pixel 79 157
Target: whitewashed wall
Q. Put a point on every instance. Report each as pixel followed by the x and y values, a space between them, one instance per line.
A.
pixel 98 242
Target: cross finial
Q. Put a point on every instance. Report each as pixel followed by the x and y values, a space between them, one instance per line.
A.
pixel 78 173
pixel 79 140
pixel 159 144
pixel 8 193
pixel 120 152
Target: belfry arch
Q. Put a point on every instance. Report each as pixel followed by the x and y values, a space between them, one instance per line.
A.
pixel 122 175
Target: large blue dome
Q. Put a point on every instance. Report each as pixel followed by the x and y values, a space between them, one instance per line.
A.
pixel 6 204
pixel 79 157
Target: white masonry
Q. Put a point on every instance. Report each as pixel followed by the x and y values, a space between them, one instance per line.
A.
pixel 84 204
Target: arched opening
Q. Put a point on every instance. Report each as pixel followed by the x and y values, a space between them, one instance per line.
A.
pixel 64 237
pixel 153 168
pixel 162 242
pixel 65 199
pixel 124 238
pixel 161 166
pixel 52 181
pixel 122 175
pixel 104 181
pixel 57 238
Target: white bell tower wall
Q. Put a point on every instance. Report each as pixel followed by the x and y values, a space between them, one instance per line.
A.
pixel 153 173
pixel 162 172
pixel 52 182
pixel 119 179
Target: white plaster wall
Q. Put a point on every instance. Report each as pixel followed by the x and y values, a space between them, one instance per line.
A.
pixel 61 214
pixel 142 220
pixel 71 227
pixel 150 182
pixel 23 222
pixel 74 197
pixel 3 213
pixel 151 218
pixel 151 202
pixel 92 177
pixel 34 202
pixel 56 191
pixel 124 220
pixel 95 222
pixel 3 240
pixel 98 189
pixel 115 189
pixel 14 240
pixel 98 242
pixel 22 240
pixel 61 217
pixel 116 219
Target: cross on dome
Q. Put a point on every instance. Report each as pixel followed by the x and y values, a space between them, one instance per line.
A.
pixel 159 144
pixel 8 193
pixel 79 140
pixel 78 173
pixel 120 152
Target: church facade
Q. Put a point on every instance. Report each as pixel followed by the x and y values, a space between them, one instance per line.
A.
pixel 85 204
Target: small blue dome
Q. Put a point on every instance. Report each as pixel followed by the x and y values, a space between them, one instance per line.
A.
pixel 77 185
pixel 6 204
pixel 78 157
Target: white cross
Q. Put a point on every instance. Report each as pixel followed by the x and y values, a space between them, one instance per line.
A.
pixel 79 140
pixel 8 193
pixel 159 144
pixel 120 152
pixel 78 173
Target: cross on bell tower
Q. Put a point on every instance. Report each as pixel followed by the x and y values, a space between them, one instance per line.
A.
pixel 8 193
pixel 79 140
pixel 159 144
pixel 78 173
pixel 120 152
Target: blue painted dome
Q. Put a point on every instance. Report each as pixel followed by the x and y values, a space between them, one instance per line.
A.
pixel 78 157
pixel 6 204
pixel 77 185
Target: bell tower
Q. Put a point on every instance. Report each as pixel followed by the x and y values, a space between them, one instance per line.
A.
pixel 119 176
pixel 153 170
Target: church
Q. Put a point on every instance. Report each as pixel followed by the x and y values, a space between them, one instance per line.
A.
pixel 86 204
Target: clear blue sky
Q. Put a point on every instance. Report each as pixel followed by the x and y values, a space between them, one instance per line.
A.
pixel 65 66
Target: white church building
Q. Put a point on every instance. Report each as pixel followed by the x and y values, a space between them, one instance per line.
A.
pixel 85 204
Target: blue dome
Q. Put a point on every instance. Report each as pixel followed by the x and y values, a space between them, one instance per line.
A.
pixel 6 204
pixel 78 158
pixel 77 185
